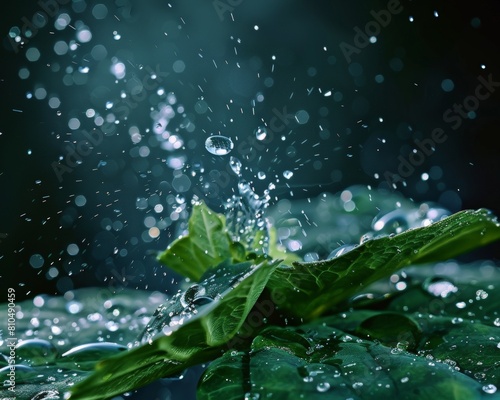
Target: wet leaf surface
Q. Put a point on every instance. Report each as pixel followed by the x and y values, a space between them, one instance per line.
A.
pixel 313 288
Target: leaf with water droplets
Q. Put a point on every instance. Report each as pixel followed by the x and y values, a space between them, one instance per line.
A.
pixel 193 334
pixel 326 363
pixel 313 288
pixel 56 359
pixel 206 245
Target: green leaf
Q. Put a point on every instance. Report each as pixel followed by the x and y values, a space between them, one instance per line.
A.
pixel 310 289
pixel 328 363
pixel 190 329
pixel 206 245
pixel 467 345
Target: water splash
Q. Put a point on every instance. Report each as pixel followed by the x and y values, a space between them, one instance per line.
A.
pixel 245 214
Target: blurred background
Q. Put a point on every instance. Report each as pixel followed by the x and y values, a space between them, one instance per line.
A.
pixel 106 107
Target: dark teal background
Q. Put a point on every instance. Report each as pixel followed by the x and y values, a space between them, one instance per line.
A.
pixel 431 49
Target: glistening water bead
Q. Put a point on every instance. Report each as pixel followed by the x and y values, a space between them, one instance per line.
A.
pixel 219 145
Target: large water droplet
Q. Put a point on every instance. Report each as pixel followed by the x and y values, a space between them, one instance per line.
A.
pixel 193 293
pixel 86 355
pixel 261 133
pixel 287 174
pixel 219 145
pixel 393 222
pixel 323 387
pixel 490 389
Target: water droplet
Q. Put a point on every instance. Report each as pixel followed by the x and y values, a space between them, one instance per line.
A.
pixel 23 373
pixel 457 320
pixel 323 387
pixel 462 304
pixel 393 222
pixel 235 165
pixel 74 307
pixel 195 295
pixel 490 388
pixel 405 379
pixel 261 133
pixel 86 355
pixel 252 396
pixel 219 145
pixel 403 345
pixel 339 251
pixel 287 174
pixel 439 287
pixel 437 214
pixel 36 352
pixel 47 395
pixel 114 308
pixel 261 175
pixel 496 322
pixel 366 237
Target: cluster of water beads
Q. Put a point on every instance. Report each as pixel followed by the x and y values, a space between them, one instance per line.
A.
pixel 196 300
pixel 64 322
pixel 171 315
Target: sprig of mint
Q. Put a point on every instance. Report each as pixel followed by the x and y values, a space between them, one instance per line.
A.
pixel 366 353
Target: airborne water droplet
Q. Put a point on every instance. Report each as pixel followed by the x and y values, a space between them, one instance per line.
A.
pixel 261 133
pixel 287 174
pixel 36 352
pixel 219 145
pixel 235 165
